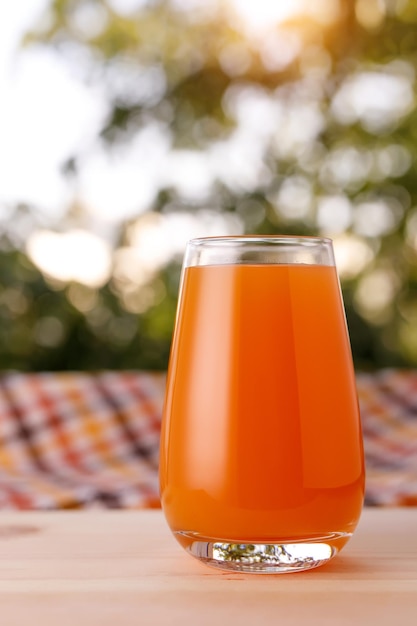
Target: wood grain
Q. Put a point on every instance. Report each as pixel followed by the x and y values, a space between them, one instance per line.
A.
pixel 124 568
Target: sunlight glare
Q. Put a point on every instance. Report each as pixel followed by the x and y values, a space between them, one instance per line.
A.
pixel 76 255
pixel 260 15
pixel 262 12
pixel 353 254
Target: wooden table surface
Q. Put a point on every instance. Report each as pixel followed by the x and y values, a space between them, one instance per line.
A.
pixel 124 568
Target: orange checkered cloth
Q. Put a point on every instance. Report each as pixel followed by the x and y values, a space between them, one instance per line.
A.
pixel 388 401
pixel 78 440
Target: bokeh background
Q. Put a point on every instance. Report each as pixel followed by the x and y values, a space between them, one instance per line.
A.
pixel 129 126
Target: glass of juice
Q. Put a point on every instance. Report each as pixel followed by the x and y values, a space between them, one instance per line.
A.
pixel 261 461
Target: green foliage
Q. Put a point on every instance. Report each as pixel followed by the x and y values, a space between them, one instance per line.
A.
pixel 201 66
pixel 41 330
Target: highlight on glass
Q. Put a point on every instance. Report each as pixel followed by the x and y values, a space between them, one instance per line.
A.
pixel 261 462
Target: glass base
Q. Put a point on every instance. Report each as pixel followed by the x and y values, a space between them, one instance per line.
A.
pixel 264 558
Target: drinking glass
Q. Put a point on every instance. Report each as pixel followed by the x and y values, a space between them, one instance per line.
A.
pixel 261 462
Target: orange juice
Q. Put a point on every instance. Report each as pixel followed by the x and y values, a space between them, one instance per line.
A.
pixel 261 439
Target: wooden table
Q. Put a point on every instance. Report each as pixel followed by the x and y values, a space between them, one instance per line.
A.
pixel 124 568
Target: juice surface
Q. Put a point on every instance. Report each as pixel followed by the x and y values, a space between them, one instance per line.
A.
pixel 261 436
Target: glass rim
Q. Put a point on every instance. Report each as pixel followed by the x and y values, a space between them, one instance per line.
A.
pixel 261 239
pixel 259 249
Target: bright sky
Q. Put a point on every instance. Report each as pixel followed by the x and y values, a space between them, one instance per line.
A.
pixel 38 92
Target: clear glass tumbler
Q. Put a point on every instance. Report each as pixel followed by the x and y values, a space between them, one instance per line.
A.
pixel 261 462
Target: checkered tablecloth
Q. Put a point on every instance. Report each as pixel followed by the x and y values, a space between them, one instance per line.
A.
pixel 78 440
pixel 75 440
pixel 388 401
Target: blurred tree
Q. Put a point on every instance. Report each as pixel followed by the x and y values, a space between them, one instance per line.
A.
pixel 307 129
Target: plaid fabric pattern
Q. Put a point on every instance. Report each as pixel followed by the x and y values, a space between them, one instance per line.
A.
pixel 388 401
pixel 74 440
pixel 78 440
